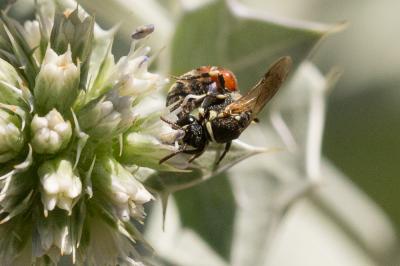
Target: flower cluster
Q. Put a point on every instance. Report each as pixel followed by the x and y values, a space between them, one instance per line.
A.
pixel 66 108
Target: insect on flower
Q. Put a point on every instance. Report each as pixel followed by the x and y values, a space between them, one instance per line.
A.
pixel 224 122
pixel 202 87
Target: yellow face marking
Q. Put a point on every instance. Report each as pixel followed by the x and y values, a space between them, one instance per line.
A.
pixel 209 130
pixel 201 111
pixel 221 96
pixel 213 115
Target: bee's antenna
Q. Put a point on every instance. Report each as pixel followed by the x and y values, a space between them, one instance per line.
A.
pixel 174 77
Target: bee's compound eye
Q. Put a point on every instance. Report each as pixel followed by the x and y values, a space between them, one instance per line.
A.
pixel 191 119
pixel 230 80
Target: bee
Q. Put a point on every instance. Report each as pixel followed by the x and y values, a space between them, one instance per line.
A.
pixel 225 121
pixel 201 88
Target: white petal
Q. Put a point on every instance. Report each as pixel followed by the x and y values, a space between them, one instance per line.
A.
pixel 54 141
pixel 53 72
pixel 65 168
pixel 38 123
pixel 75 188
pixel 46 237
pixel 65 203
pixel 65 182
pixel 60 128
pixel 124 214
pixel 50 57
pixel 142 196
pixel 50 202
pixel 107 107
pixel 70 72
pixel 50 184
pixel 53 118
pixel 120 197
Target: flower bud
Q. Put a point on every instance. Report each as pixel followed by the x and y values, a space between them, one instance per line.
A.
pixel 107 117
pixel 11 137
pixel 60 186
pixel 50 133
pixel 57 83
pixel 124 191
pixel 54 234
pixel 9 85
pixel 32 33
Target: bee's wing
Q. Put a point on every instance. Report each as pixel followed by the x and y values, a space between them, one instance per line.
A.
pixel 256 98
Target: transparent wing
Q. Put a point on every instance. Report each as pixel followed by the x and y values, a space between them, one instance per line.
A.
pixel 256 98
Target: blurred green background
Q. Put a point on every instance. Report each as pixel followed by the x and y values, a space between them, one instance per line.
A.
pixel 362 132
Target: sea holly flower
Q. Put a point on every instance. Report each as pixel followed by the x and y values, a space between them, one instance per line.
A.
pixel 65 105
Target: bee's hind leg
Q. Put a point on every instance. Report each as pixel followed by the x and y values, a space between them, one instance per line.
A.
pixel 169 156
pixel 196 155
pixel 192 96
pixel 227 148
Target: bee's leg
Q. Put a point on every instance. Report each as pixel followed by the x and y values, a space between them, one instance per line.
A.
pixel 172 124
pixel 178 102
pixel 192 96
pixel 202 75
pixel 208 101
pixel 169 156
pixel 198 153
pixel 227 147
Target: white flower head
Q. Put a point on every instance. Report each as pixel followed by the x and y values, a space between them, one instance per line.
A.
pixel 57 84
pixel 60 185
pixel 50 133
pixel 64 105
